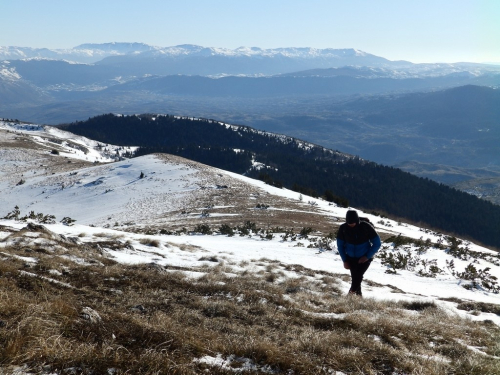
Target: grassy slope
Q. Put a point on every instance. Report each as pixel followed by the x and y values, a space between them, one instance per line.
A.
pixel 154 320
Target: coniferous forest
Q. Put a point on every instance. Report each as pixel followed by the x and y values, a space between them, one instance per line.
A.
pixel 306 168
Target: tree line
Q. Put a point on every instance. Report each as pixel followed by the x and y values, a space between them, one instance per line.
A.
pixel 306 168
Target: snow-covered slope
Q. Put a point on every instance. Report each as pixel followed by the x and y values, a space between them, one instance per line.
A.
pixel 85 53
pixel 8 73
pixel 157 196
pixel 14 89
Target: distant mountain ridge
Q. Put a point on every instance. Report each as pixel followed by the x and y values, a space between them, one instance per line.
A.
pixel 462 70
pixel 194 59
pixel 138 59
pixel 93 52
pixel 85 71
pixel 84 53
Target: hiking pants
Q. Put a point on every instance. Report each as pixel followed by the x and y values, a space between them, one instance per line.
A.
pixel 357 272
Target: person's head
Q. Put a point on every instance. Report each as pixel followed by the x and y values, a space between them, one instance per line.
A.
pixel 352 218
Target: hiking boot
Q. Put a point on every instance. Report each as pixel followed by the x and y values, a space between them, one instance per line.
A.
pixel 354 293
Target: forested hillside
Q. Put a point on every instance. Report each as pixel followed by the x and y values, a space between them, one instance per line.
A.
pixel 307 168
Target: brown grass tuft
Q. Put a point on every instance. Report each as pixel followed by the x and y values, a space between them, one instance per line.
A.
pixel 150 242
pixel 155 320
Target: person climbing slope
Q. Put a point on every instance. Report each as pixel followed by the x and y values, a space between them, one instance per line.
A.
pixel 357 243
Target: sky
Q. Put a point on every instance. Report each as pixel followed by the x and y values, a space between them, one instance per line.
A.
pixel 413 30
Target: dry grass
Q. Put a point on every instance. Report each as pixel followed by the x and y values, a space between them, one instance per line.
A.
pixel 152 320
pixel 159 322
pixel 150 242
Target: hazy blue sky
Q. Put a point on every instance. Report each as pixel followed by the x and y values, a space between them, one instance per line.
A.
pixel 414 30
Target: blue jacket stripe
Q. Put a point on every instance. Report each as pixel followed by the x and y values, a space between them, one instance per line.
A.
pixel 368 248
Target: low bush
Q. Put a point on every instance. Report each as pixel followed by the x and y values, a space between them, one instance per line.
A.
pixel 203 229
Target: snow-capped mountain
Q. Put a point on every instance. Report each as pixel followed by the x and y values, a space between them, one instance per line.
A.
pixel 264 61
pixel 8 73
pixel 84 53
pixel 138 59
pixel 107 73
pixel 14 89
pixel 292 52
pixel 91 52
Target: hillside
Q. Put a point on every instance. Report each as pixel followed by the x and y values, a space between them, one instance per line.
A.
pixel 457 127
pixel 442 113
pixel 285 85
pixel 307 168
pixel 481 182
pixel 173 266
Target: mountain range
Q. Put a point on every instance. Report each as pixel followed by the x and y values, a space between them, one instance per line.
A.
pixel 112 53
pixel 42 83
pixel 102 64
pixel 430 119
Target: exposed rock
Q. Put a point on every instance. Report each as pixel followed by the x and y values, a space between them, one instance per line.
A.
pixel 90 315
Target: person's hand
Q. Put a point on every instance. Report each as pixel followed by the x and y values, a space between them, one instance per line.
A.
pixel 363 259
pixel 346 266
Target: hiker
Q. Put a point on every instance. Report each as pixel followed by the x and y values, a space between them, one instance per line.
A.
pixel 357 242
